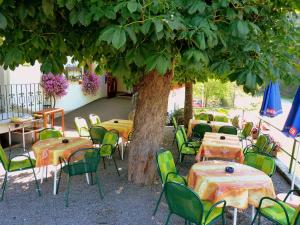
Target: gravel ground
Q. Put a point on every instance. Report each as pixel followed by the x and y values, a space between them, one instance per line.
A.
pixel 123 203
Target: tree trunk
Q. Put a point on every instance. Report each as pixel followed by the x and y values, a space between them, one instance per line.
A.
pixel 188 103
pixel 149 123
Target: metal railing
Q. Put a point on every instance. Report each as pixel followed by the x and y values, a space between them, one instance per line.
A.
pixel 17 100
pixel 295 143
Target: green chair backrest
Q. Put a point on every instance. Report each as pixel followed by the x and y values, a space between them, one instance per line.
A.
pixel 179 139
pixel 82 127
pixel 247 129
pixel 85 160
pixel 228 130
pixel 262 142
pixel 174 121
pixel 94 120
pixel 97 134
pixel 204 116
pixel 109 142
pixel 49 133
pixel 183 202
pixel 165 164
pixel 200 129
pixel 235 121
pixel 224 111
pixel 296 218
pixel 184 134
pixel 221 118
pixel 261 162
pixel 3 158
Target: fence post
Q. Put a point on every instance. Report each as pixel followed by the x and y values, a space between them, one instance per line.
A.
pixel 292 156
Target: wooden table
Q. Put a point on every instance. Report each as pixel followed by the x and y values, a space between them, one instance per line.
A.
pixel 213 147
pixel 47 152
pixel 245 186
pixel 50 112
pixel 215 125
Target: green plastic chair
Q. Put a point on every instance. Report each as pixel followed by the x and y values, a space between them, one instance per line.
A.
pixel 82 127
pixel 81 161
pixel 260 145
pixel 200 129
pixel 246 132
pixel 224 111
pixel 280 213
pixel 175 125
pixel 219 118
pixel 204 116
pixel 190 141
pixel 94 120
pixel 97 134
pixel 49 133
pixel 228 130
pixel 184 148
pixel 109 146
pixel 167 171
pixel 185 203
pixel 235 122
pixel 261 162
pixel 11 165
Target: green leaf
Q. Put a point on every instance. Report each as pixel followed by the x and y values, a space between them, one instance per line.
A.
pixel 1 1
pixel 70 4
pixel 107 34
pixel 158 26
pixel 250 81
pixel 146 27
pixel 131 34
pixel 73 17
pixel 119 38
pixel 162 64
pixel 84 18
pixel 3 22
pixel 110 13
pixel 132 6
pixel 48 7
pixel 200 40
pixel 197 6
pixel 150 62
pixel 242 27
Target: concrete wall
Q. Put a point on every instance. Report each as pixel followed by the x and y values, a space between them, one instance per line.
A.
pixel 24 74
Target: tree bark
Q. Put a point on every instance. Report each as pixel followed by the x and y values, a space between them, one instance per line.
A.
pixel 188 103
pixel 149 123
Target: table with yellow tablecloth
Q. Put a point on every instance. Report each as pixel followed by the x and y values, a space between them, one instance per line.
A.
pixel 124 127
pixel 48 152
pixel 245 186
pixel 213 146
pixel 215 125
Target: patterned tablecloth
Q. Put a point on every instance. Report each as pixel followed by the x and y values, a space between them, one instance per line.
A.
pixel 123 126
pixel 213 147
pixel 245 186
pixel 47 152
pixel 215 125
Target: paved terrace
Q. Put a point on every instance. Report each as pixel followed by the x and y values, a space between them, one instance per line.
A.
pixel 124 203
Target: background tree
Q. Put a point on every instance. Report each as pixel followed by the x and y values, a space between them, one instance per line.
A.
pixel 139 40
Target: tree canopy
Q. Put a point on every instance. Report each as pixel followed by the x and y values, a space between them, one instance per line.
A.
pixel 248 41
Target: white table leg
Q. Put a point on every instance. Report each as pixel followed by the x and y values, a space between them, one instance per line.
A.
pixel 55 180
pixel 234 216
pixel 253 212
pixel 87 178
pixel 122 150
pixel 42 174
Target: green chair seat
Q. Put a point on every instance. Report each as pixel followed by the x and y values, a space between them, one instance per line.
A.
pixel 276 213
pixel 21 165
pixel 261 162
pixel 172 177
pixel 216 213
pixel 189 150
pixel 106 151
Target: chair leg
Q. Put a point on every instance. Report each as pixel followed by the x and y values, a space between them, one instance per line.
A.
pixel 168 218
pixel 99 185
pixel 91 175
pixel 223 219
pixel 58 180
pixel 158 201
pixel 103 158
pixel 36 183
pixel 68 191
pixel 3 186
pixel 116 165
pixel 254 218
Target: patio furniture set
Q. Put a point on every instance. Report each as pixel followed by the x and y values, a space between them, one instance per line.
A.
pixel 233 177
pixel 73 155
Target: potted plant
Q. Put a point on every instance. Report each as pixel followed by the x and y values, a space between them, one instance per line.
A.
pixel 54 85
pixel 90 84
pixel 254 133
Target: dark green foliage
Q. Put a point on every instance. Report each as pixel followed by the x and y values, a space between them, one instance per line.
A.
pixel 248 41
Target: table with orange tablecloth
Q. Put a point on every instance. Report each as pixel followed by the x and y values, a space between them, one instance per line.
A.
pixel 213 146
pixel 215 125
pixel 245 186
pixel 124 127
pixel 47 152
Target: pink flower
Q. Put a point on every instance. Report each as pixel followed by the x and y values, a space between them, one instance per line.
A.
pixel 54 85
pixel 90 84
